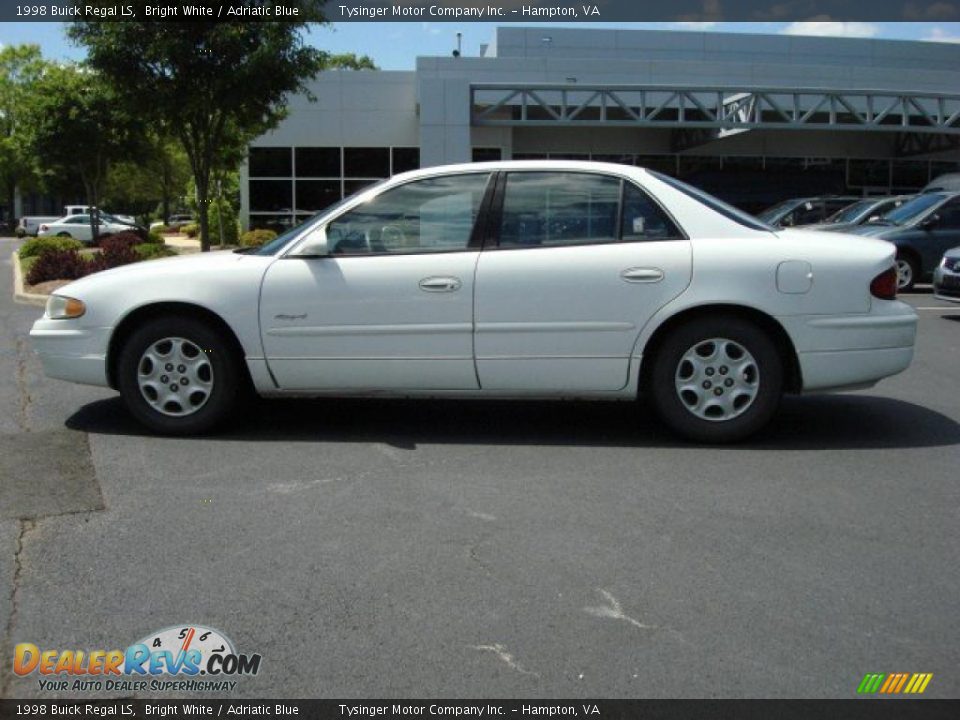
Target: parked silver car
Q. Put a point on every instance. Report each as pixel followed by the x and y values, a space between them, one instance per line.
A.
pixel 946 278
pixel 864 211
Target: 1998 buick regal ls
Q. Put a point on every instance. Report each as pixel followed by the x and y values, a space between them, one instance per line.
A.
pixel 508 279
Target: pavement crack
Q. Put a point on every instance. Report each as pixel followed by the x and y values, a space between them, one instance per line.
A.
pixel 25 527
pixel 25 399
pixel 614 611
pixel 508 659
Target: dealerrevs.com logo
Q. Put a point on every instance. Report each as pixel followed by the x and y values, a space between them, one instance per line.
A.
pixel 178 658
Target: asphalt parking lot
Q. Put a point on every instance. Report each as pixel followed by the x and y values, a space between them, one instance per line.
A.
pixel 452 549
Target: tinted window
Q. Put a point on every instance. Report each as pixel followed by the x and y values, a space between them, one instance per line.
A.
pixel 270 162
pixel 554 208
pixel 808 213
pixel 643 219
pixel 429 215
pixel 366 162
pixel 405 158
pixel 852 212
pixel 949 216
pixel 728 211
pixel 315 195
pixel 321 162
pixel 271 195
pixel 909 210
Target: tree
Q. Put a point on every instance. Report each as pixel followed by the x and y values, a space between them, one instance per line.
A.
pixel 213 86
pixel 350 61
pixel 20 68
pixel 80 125
pixel 139 187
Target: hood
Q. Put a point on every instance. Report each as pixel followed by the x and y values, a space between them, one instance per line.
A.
pixel 163 269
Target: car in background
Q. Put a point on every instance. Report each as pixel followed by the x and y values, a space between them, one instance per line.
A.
pixel 922 230
pixel 550 279
pixel 174 222
pixel 949 183
pixel 78 227
pixel 860 212
pixel 946 278
pixel 805 211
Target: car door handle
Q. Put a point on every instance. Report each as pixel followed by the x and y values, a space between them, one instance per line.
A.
pixel 440 284
pixel 642 275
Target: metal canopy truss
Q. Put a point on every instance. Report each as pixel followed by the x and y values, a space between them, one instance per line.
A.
pixel 734 107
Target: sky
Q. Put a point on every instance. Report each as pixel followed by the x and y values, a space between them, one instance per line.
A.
pixel 395 46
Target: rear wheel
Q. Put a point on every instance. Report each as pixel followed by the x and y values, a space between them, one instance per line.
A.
pixel 179 376
pixel 716 379
pixel 907 272
pixel 64 234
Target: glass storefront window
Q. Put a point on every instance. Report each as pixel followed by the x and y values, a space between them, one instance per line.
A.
pixel 270 162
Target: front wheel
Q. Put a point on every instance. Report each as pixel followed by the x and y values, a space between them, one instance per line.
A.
pixel 179 376
pixel 716 379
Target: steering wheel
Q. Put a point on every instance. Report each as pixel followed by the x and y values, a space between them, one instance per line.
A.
pixel 393 235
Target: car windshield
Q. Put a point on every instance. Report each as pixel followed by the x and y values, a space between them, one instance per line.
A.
pixel 715 204
pixel 771 214
pixel 851 213
pixel 912 208
pixel 283 238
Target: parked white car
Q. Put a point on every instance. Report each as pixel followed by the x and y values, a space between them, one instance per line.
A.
pixel 78 227
pixel 510 279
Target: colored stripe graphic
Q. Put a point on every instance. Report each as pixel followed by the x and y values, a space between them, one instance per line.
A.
pixel 894 683
pixel 870 683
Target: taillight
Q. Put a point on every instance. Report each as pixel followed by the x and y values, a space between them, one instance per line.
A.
pixel 884 285
pixel 43 228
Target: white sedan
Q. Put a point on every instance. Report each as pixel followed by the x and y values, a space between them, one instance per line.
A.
pixel 78 227
pixel 539 279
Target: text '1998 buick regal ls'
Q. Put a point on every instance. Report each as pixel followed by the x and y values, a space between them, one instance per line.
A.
pixel 509 279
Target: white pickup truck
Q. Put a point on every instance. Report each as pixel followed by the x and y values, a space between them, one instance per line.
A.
pixel 30 224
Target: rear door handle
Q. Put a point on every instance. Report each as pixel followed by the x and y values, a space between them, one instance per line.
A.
pixel 440 284
pixel 642 275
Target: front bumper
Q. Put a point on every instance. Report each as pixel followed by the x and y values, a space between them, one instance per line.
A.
pixel 71 352
pixel 946 284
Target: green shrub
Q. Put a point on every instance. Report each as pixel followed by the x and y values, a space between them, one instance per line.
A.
pixel 190 230
pixel 155 237
pixel 231 230
pixel 38 246
pixel 151 250
pixel 256 238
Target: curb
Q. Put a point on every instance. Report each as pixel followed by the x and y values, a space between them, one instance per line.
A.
pixel 18 294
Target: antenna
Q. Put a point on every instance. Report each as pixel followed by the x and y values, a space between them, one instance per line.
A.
pixel 456 53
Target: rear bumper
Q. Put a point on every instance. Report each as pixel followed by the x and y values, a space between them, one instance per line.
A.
pixel 71 353
pixel 847 351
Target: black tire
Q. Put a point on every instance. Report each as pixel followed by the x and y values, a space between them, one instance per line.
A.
pixel 64 235
pixel 767 385
pixel 908 272
pixel 228 381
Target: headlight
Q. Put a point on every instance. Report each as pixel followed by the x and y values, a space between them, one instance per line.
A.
pixel 62 308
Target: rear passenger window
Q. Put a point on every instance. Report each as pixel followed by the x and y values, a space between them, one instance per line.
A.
pixel 555 208
pixel 643 219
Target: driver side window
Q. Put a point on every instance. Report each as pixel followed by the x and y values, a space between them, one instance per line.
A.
pixel 428 215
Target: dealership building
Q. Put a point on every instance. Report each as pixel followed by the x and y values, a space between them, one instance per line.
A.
pixel 752 118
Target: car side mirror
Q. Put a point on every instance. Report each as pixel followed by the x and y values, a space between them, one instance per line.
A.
pixel 930 222
pixel 316 245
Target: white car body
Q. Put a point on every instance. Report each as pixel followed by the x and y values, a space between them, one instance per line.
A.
pixel 565 321
pixel 78 227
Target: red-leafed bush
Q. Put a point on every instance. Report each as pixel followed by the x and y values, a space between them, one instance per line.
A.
pixel 58 265
pixel 117 250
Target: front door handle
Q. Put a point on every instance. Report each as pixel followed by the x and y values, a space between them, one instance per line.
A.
pixel 642 275
pixel 440 284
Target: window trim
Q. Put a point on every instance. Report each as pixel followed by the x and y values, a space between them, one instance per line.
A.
pixel 474 242
pixel 495 221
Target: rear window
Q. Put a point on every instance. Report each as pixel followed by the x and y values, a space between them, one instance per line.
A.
pixel 715 204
